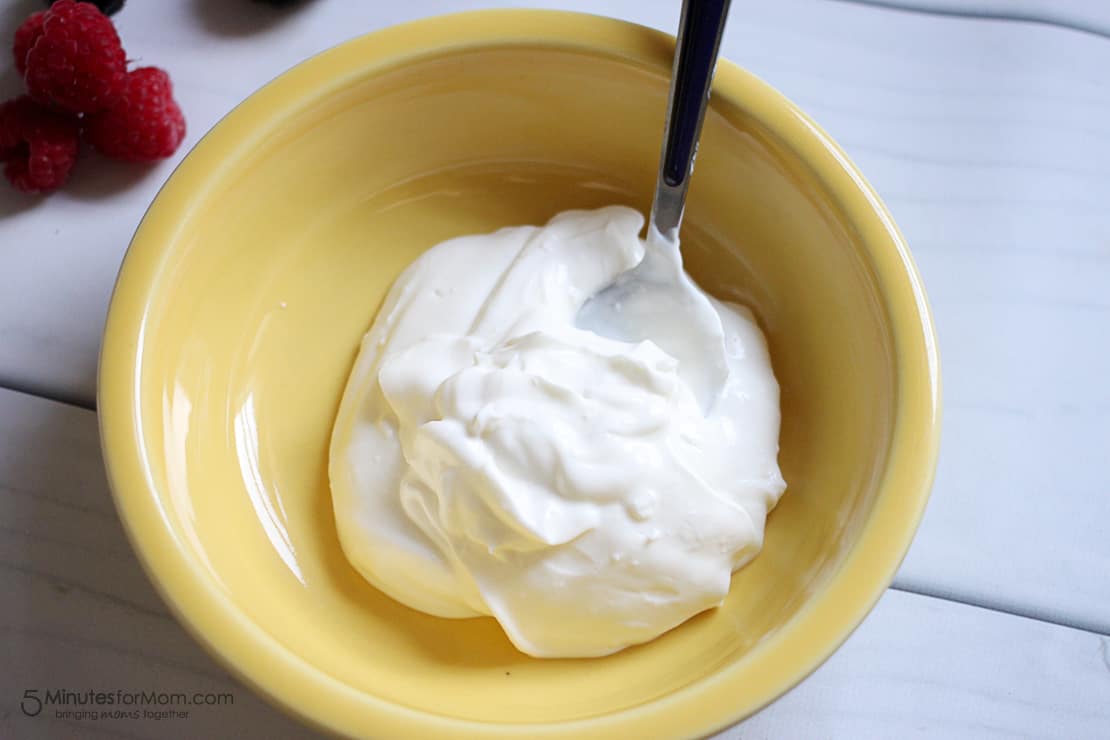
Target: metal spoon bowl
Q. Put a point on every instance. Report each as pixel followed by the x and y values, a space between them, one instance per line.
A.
pixel 656 299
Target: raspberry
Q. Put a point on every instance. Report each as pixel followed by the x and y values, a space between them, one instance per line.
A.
pixel 77 62
pixel 38 146
pixel 145 125
pixel 25 37
pixel 107 7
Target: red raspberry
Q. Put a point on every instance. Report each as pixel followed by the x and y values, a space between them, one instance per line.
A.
pixel 25 37
pixel 38 146
pixel 77 62
pixel 107 7
pixel 145 125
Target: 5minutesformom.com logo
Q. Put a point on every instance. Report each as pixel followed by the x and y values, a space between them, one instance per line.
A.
pixel 119 704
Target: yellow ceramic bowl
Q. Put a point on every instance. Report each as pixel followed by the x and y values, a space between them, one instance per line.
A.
pixel 241 302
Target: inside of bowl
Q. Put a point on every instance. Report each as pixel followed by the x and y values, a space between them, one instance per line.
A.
pixel 272 280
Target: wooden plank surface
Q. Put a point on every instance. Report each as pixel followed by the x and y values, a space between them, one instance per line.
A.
pixel 1089 16
pixel 989 139
pixel 78 613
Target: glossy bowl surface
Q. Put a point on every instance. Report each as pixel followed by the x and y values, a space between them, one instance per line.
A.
pixel 242 299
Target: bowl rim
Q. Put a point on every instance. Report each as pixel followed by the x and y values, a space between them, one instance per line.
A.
pixel 701 708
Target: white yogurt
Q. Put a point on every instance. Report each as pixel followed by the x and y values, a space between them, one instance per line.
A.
pixel 491 458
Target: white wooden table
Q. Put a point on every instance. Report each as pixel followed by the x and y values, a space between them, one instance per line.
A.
pixel 985 124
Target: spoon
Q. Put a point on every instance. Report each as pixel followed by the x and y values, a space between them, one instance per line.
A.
pixel 656 299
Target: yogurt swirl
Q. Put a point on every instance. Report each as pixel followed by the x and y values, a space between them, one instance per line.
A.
pixel 490 458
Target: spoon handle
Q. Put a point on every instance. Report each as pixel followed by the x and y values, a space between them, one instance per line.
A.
pixel 695 57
